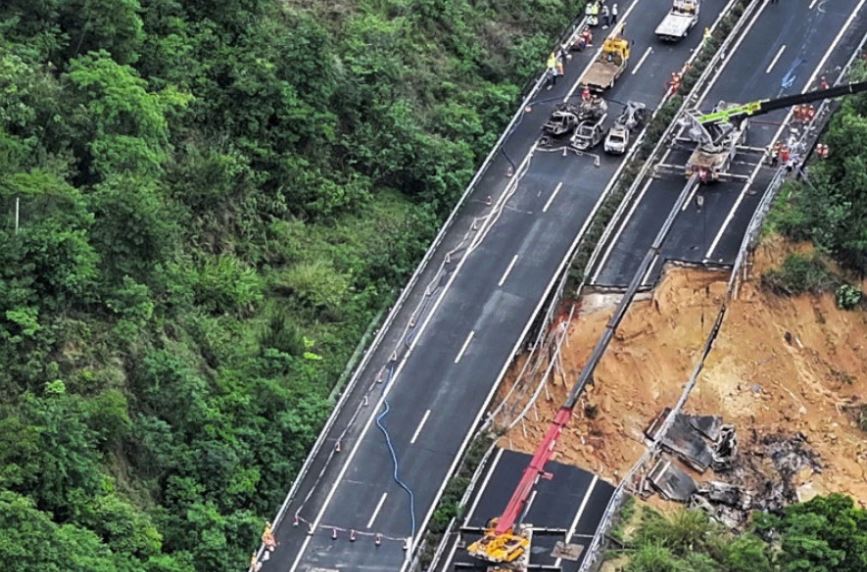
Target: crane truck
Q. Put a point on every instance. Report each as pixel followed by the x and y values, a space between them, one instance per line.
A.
pixel 506 540
pixel 609 64
pixel 679 20
pixel 719 132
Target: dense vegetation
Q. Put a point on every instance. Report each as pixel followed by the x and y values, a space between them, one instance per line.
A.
pixel 826 534
pixel 215 199
pixel 830 207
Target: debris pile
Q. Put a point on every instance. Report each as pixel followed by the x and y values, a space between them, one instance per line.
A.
pixel 780 365
pixel 765 476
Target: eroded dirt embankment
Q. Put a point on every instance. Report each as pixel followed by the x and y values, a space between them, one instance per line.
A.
pixel 780 365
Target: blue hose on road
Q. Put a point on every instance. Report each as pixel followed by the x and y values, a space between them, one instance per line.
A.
pixel 393 453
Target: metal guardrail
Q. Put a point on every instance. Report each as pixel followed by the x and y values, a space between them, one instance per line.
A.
pixel 569 33
pixel 624 203
pixel 616 499
pixel 561 288
pixel 574 28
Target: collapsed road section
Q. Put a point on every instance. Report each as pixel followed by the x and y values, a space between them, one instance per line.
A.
pixel 368 489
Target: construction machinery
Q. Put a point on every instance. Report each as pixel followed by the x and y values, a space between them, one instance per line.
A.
pixel 609 64
pixel 720 133
pixel 717 145
pixel 506 541
pixel 679 20
pixel 631 119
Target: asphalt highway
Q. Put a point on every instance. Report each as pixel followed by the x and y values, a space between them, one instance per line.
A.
pixel 570 504
pixel 458 346
pixel 789 47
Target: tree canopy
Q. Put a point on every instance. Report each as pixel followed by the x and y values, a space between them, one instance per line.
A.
pixel 824 534
pixel 214 201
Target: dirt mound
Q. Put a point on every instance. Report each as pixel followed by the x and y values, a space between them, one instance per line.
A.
pixel 779 366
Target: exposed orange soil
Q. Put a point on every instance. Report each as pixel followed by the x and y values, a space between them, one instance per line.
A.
pixel 780 364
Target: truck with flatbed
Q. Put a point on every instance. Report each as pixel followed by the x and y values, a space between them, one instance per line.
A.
pixel 679 20
pixel 609 64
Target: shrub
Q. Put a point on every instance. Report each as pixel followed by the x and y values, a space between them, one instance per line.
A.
pixel 797 275
pixel 848 297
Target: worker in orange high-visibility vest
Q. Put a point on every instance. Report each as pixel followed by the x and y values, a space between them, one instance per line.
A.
pixel 775 153
pixel 822 151
pixel 674 83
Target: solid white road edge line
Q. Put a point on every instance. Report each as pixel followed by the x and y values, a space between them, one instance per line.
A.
pixel 732 52
pixel 806 87
pixel 387 389
pixel 539 305
pixel 484 486
pixel 601 264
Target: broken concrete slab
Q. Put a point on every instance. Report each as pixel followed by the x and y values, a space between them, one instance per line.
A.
pixel 707 425
pixel 688 438
pixel 571 552
pixel 688 444
pixel 727 494
pixel 671 481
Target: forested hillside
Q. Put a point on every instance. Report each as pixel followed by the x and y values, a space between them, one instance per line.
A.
pixel 203 205
pixel 829 207
pixel 825 534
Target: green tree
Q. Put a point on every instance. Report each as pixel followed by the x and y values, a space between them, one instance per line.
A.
pixel 119 126
pixel 31 541
pixel 134 229
pixel 823 534
pixel 111 25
